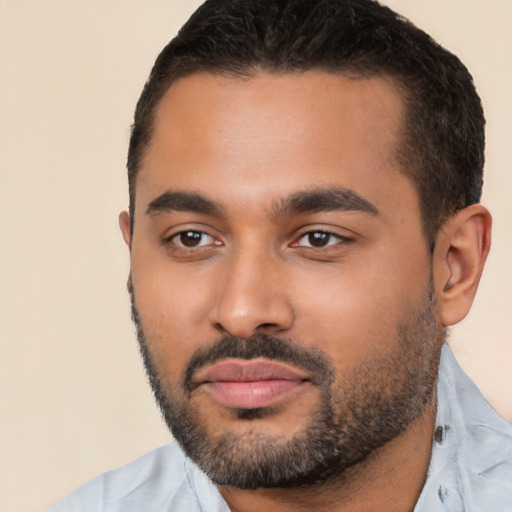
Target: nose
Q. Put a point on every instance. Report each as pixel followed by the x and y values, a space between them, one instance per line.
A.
pixel 252 297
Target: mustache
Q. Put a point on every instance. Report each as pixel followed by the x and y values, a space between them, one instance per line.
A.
pixel 260 346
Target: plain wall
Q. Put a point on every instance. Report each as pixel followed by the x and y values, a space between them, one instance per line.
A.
pixel 73 396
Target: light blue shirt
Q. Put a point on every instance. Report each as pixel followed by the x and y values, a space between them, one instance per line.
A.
pixel 470 469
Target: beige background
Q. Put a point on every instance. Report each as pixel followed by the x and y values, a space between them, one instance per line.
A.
pixel 73 397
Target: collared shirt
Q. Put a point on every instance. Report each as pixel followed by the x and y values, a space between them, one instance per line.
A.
pixel 471 464
pixel 470 469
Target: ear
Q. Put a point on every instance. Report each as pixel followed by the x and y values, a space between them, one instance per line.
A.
pixel 462 247
pixel 124 224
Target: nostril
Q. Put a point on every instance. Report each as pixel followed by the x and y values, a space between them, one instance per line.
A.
pixel 242 312
pixel 221 328
pixel 266 326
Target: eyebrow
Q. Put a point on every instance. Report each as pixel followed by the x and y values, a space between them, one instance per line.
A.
pixel 309 201
pixel 183 202
pixel 324 199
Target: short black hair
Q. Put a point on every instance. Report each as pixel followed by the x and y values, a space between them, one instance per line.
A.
pixel 442 141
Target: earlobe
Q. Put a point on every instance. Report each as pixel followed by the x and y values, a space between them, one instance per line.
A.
pixel 124 224
pixel 461 249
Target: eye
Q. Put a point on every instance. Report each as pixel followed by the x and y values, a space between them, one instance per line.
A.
pixel 191 239
pixel 319 239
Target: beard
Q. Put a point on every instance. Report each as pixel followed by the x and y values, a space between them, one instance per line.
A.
pixel 357 412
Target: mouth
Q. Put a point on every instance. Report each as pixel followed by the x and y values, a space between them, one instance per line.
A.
pixel 251 384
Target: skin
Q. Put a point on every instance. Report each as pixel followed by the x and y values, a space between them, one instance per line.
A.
pixel 249 145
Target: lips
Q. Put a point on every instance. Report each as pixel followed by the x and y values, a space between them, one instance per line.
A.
pixel 251 384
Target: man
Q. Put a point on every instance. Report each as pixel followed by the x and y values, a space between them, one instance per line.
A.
pixel 304 225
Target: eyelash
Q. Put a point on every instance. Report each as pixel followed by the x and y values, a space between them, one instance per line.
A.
pixel 181 246
pixel 319 234
pixel 323 233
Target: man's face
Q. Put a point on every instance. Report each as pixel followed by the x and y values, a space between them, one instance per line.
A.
pixel 281 280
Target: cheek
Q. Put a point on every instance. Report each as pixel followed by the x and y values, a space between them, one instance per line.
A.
pixel 346 321
pixel 352 312
pixel 172 308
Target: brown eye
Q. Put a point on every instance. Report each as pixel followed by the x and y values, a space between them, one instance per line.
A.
pixel 319 239
pixel 191 239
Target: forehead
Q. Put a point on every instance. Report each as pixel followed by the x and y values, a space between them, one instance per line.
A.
pixel 274 134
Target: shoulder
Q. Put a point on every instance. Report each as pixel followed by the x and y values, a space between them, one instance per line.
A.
pixel 162 479
pixel 484 454
pixel 471 464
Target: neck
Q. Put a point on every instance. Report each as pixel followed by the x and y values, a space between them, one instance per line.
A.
pixel 390 479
